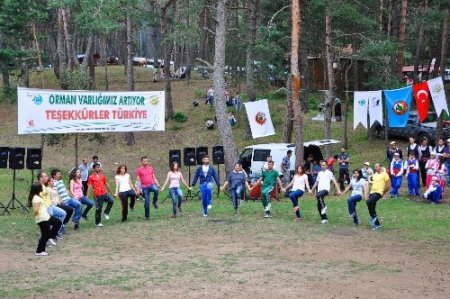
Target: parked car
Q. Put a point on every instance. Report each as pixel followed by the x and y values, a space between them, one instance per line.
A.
pixel 414 128
pixel 254 156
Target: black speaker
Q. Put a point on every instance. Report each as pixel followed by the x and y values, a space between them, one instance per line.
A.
pixel 16 157
pixel 175 156
pixel 218 155
pixel 34 158
pixel 200 152
pixel 4 152
pixel 189 156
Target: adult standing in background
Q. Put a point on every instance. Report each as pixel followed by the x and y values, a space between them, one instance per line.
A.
pixel 84 168
pixel 424 155
pixel 94 161
pixel 145 175
pixel 366 171
pixel 413 147
pixel 343 160
pixel 446 156
pixel 440 147
pixel 393 148
pixel 286 167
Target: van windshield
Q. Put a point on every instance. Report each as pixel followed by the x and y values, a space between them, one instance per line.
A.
pixel 261 155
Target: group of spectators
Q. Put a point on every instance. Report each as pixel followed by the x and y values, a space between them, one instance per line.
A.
pixel 234 102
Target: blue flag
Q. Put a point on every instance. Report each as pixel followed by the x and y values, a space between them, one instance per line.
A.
pixel 398 105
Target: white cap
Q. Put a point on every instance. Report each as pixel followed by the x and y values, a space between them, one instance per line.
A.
pixel 367 163
pixel 396 154
pixel 393 142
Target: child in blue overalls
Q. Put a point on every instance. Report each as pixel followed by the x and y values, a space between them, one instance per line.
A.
pixel 412 175
pixel 396 174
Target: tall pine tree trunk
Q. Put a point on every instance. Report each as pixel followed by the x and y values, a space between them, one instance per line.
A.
pixel 129 136
pixel 304 68
pixel 295 73
pixel 289 117
pixel 444 45
pixel 330 94
pixel 166 49
pixel 419 43
pixel 253 6
pixel 219 87
pixel 401 38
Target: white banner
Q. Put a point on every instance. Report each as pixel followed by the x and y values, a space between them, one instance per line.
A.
pixel 360 108
pixel 437 91
pixel 375 107
pixel 259 118
pixel 61 111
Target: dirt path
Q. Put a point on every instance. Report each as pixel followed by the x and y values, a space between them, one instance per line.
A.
pixel 227 259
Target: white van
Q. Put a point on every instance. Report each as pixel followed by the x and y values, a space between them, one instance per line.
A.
pixel 447 76
pixel 254 156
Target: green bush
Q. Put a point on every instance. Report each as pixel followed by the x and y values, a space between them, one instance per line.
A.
pixel 180 117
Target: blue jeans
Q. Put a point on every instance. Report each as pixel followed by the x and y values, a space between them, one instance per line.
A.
pixel 57 212
pixel 352 201
pixel 293 196
pixel 447 165
pixel 146 194
pixel 413 183
pixel 77 207
pixel 89 204
pixel 206 190
pixel 177 197
pixel 236 195
pixel 396 182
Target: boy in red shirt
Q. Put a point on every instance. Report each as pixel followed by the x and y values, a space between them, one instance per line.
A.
pixel 97 181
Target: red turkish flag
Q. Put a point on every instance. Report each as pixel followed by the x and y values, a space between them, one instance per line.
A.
pixel 422 97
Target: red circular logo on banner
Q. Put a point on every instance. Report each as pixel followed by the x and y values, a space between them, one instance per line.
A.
pixel 400 107
pixel 260 118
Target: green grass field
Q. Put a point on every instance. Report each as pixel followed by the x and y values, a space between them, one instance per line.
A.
pixel 222 256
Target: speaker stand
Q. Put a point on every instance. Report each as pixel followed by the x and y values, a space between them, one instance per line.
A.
pixel 14 199
pixel 189 193
pixel 4 208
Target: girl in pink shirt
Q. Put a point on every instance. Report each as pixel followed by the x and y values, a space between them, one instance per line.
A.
pixel 174 176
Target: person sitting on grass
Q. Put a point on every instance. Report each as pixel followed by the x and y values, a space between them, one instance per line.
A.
pixel 268 179
pixel 49 225
pixel 174 177
pixel 237 181
pixel 299 183
pixel 434 191
pixel 359 188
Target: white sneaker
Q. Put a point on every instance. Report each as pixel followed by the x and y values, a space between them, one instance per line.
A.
pixel 205 215
pixel 209 207
pixel 324 210
pixel 43 253
pixel 106 216
pixel 100 225
pixel 51 242
pixel 324 221
pixel 267 208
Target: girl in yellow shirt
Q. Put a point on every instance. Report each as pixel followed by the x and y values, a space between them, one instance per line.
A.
pixel 49 225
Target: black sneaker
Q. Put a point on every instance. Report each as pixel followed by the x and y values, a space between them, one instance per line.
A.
pixel 76 226
pixel 155 205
